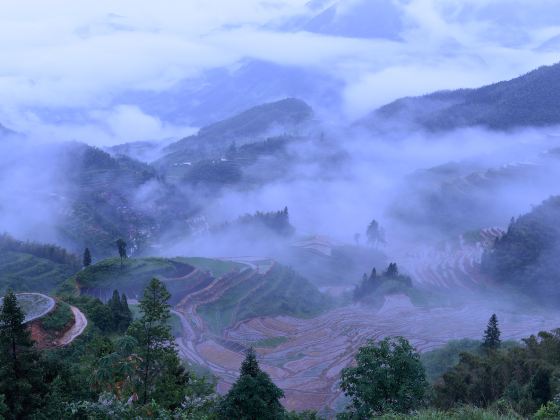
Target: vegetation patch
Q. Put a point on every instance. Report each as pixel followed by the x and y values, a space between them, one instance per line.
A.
pixel 59 319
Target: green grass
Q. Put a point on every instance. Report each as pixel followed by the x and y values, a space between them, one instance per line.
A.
pixel 217 267
pixel 24 272
pixel 279 292
pixel 59 318
pixel 270 342
pixel 462 413
pixel 134 274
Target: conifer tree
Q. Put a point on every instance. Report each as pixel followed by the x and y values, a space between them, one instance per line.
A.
pixel 153 334
pixel 20 371
pixel 126 314
pixel 491 340
pixel 87 258
pixel 254 395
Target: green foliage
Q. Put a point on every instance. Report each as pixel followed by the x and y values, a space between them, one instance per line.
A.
pixel 551 410
pixel 59 318
pixel 438 361
pixel 460 413
pixel 281 291
pixel 374 233
pixel 121 316
pixel 253 396
pixel 388 377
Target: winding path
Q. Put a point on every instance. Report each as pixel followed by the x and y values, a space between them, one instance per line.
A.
pixel 80 324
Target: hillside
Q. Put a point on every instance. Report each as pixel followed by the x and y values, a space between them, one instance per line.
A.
pixel 281 291
pixel 526 256
pixel 32 267
pixel 529 100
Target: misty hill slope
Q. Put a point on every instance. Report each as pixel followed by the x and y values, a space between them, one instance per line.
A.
pixel 530 100
pixel 90 198
pixel 31 267
pixel 526 256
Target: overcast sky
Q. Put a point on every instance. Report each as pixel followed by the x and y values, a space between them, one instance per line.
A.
pixel 64 54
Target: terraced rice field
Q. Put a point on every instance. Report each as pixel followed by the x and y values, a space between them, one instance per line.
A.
pixel 34 305
pixel 307 355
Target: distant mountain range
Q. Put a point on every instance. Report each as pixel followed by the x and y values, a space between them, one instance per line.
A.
pixel 530 100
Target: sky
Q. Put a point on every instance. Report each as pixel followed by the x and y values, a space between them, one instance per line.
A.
pixel 61 56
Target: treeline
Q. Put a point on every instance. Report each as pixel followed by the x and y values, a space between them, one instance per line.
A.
pixel 371 284
pixel 50 252
pixel 276 221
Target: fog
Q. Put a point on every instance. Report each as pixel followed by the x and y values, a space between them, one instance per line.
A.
pixel 90 72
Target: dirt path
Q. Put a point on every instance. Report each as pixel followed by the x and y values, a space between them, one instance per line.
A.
pixel 80 324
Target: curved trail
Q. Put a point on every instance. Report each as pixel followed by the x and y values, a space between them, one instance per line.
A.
pixel 80 324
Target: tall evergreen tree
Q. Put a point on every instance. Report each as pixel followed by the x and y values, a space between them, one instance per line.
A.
pixel 126 314
pixel 115 307
pixel 153 333
pixel 254 395
pixel 20 370
pixel 87 258
pixel 121 247
pixel 491 340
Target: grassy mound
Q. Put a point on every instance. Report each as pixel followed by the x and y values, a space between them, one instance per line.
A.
pixel 134 273
pixel 279 292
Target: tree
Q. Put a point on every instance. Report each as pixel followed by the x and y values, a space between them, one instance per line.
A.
pixel 20 371
pixel 87 258
pixel 392 270
pixel 126 314
pixel 121 246
pixel 253 396
pixel 153 334
pixel 374 233
pixel 388 376
pixel 491 340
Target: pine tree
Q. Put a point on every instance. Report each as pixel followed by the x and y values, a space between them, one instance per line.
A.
pixel 126 314
pixel 20 371
pixel 87 258
pixel 121 247
pixel 254 395
pixel 153 333
pixel 491 340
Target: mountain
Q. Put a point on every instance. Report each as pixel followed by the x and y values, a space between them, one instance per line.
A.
pixel 219 151
pixel 530 100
